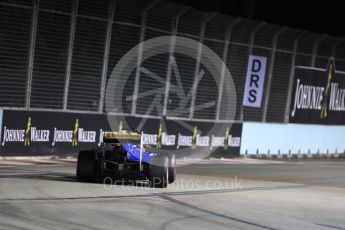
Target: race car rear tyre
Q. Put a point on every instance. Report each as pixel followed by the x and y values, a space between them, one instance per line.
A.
pixel 159 171
pixel 86 166
pixel 172 167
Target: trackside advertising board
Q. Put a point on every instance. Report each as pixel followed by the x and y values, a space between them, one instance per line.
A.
pixel 318 96
pixel 33 133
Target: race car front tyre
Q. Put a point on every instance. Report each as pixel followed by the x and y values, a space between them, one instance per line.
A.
pixel 172 167
pixel 159 171
pixel 86 166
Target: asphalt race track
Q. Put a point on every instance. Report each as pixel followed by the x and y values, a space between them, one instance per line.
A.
pixel 207 195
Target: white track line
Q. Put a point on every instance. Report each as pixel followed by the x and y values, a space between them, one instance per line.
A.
pixel 14 163
pixel 184 161
pixel 35 162
pixel 225 161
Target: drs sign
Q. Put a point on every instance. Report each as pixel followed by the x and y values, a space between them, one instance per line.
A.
pixel 255 81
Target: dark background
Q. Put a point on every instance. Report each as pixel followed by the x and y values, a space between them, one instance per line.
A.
pixel 319 16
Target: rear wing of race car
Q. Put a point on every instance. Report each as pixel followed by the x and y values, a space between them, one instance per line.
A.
pixel 121 137
pixel 125 137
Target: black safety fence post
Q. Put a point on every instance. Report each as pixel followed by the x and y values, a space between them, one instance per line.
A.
pixel 112 6
pixel 224 58
pixel 315 49
pixel 34 18
pixel 292 73
pixel 270 72
pixel 335 46
pixel 140 55
pixel 197 65
pixel 70 51
pixel 175 22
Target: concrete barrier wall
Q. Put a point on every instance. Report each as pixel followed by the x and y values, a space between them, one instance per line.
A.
pixel 273 139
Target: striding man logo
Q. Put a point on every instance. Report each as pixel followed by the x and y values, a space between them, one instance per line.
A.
pixel 324 105
pixel 195 133
pixel 226 139
pixel 159 136
pixel 27 133
pixel 75 133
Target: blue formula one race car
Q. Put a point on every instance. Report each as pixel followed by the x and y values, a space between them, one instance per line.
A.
pixel 123 156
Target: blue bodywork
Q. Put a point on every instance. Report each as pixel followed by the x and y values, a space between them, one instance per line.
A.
pixel 134 153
